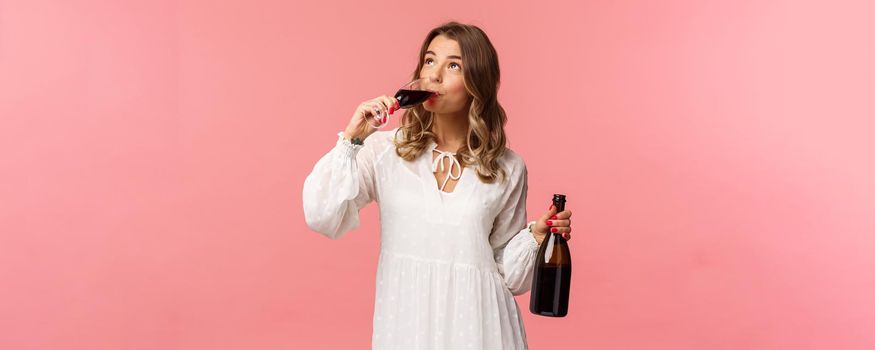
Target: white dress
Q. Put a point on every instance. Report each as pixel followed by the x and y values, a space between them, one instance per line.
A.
pixel 449 263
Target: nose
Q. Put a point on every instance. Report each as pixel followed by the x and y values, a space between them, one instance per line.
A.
pixel 434 77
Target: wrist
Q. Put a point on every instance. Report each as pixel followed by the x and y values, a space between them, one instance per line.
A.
pixel 353 137
pixel 539 237
pixel 356 131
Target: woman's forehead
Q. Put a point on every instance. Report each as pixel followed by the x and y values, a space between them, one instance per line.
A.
pixel 443 46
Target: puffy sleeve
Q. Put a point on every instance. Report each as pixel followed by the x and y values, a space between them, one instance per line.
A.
pixel 513 244
pixel 341 183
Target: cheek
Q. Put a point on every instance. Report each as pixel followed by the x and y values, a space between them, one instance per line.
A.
pixel 457 90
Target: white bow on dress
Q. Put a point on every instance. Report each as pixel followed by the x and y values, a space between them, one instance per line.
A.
pixel 453 162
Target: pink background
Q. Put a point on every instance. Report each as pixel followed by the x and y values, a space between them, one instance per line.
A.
pixel 717 156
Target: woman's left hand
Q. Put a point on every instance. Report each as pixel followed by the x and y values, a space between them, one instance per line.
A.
pixel 554 222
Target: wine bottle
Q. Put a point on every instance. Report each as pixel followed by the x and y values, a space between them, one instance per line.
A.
pixel 552 279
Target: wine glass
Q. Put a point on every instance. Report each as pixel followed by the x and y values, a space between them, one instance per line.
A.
pixel 409 95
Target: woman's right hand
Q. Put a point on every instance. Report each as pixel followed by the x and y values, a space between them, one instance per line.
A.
pixel 360 125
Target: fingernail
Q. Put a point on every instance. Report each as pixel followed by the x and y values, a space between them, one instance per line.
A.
pixel 549 222
pixel 554 230
pixel 391 110
pixel 397 105
pixel 554 217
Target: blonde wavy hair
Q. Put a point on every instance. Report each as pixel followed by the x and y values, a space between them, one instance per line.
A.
pixel 485 142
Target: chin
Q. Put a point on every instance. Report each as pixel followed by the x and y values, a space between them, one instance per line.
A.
pixel 439 109
pixel 431 107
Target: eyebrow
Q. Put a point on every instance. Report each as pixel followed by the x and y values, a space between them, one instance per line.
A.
pixel 453 56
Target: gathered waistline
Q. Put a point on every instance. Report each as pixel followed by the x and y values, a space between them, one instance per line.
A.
pixel 486 267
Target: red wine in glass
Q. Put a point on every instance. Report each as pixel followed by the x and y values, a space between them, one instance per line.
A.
pixel 410 95
pixel 409 98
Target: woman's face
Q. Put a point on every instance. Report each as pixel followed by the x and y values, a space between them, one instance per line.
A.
pixel 442 65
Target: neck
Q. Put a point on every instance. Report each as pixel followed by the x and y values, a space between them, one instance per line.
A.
pixel 450 130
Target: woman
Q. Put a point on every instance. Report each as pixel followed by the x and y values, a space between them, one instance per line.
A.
pixel 455 246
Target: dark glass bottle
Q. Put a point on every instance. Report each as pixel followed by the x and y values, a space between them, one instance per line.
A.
pixel 552 279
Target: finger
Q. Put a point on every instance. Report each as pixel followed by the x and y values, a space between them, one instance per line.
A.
pixel 549 214
pixel 365 109
pixel 560 229
pixel 393 102
pixel 559 223
pixel 375 106
pixel 389 103
pixel 567 236
pixel 379 111
pixel 564 215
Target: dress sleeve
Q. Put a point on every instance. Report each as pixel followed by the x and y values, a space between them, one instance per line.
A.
pixel 341 183
pixel 513 244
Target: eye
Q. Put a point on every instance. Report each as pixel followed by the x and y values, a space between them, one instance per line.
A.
pixel 455 64
pixel 428 60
